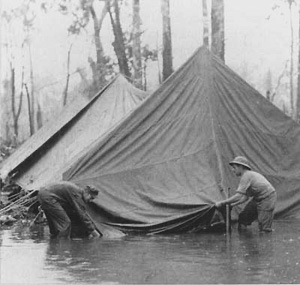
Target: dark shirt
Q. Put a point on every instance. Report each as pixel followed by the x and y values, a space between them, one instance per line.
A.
pixel 70 197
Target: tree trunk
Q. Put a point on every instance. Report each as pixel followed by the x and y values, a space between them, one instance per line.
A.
pixel 205 23
pixel 39 116
pixel 98 66
pixel 13 99
pixel 298 79
pixel 136 45
pixel 118 44
pixel 217 28
pixel 16 111
pixel 291 63
pixel 29 111
pixel 145 74
pixel 32 95
pixel 65 93
pixel 13 92
pixel 167 40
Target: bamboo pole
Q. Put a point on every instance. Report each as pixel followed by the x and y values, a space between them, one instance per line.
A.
pixel 16 203
pixel 228 214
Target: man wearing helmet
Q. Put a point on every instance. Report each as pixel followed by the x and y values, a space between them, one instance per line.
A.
pixel 252 184
pixel 64 204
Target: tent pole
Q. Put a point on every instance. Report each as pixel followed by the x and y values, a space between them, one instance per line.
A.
pixel 228 214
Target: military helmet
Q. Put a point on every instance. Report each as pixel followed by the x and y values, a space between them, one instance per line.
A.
pixel 241 160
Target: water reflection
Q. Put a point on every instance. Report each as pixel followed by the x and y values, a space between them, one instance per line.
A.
pixel 29 256
pixel 257 254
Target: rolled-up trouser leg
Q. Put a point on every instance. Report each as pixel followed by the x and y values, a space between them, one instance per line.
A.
pixel 248 214
pixel 58 220
pixel 265 220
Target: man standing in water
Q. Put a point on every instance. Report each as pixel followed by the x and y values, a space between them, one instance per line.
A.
pixel 64 203
pixel 252 184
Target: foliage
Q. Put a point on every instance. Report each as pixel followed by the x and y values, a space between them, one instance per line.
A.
pixel 146 52
pixel 7 147
pixel 82 22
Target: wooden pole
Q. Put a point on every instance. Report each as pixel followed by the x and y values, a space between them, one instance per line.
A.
pixel 228 214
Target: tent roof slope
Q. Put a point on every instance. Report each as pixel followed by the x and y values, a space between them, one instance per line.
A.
pixel 54 129
pixel 246 123
pixel 183 97
pixel 32 144
pixel 250 125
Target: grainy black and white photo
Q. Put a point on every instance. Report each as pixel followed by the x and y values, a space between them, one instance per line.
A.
pixel 149 142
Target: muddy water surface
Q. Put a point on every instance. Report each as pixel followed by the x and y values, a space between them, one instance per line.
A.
pixel 29 257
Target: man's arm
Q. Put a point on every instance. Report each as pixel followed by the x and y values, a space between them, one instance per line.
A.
pixel 79 206
pixel 243 199
pixel 86 219
pixel 82 214
pixel 236 199
pixel 241 193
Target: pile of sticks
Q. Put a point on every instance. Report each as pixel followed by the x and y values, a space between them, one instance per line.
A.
pixel 18 208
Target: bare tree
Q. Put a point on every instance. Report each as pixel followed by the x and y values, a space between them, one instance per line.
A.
pixel 30 117
pixel 217 28
pixel 83 12
pixel 281 76
pixel 298 78
pixel 290 74
pixel 98 67
pixel 118 44
pixel 16 110
pixel 205 23
pixel 65 93
pixel 148 54
pixel 32 93
pixel 28 21
pixel 39 116
pixel 127 45
pixel 167 40
pixel 290 2
pixel 26 13
pixel 136 44
pixel 15 104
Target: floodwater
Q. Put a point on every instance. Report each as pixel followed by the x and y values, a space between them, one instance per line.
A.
pixel 29 257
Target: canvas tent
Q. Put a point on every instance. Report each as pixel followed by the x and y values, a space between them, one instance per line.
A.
pixel 46 155
pixel 164 167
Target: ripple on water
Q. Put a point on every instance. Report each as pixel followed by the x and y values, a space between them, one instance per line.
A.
pixel 245 257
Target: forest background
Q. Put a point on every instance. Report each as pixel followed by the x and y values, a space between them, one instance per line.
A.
pixel 54 50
